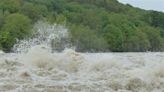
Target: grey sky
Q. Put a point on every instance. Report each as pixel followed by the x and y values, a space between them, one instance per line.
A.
pixel 146 4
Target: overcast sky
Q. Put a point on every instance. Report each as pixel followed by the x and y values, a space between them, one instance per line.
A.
pixel 146 4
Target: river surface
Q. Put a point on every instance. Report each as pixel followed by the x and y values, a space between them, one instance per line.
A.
pixel 70 71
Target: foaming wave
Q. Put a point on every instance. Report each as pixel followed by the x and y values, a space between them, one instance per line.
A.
pixel 40 56
pixel 71 71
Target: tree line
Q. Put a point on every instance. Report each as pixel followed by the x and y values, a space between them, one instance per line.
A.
pixel 94 25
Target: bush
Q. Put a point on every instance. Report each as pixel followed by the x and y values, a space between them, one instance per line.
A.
pixel 86 39
pixel 16 26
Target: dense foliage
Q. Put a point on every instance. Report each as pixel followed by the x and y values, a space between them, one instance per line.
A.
pixel 95 25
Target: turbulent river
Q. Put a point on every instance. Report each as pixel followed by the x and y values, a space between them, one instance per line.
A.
pixel 34 67
pixel 69 71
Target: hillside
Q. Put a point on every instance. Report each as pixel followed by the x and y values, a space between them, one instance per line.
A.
pixel 94 25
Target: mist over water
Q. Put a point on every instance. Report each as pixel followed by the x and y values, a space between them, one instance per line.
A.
pixel 37 66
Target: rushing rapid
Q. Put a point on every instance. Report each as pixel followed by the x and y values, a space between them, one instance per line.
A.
pixel 36 68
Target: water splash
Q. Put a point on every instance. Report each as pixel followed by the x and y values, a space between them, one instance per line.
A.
pixel 53 36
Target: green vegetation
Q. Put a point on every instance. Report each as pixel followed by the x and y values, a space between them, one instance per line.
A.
pixel 94 25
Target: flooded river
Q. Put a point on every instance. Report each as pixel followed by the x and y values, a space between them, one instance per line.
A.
pixel 69 71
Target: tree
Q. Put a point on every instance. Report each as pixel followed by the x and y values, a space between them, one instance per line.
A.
pixel 155 39
pixel 17 26
pixel 10 5
pixel 1 20
pixel 30 10
pixel 115 37
pixel 86 40
pixel 6 41
pixel 155 19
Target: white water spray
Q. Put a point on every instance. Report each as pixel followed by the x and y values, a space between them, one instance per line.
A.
pixel 53 36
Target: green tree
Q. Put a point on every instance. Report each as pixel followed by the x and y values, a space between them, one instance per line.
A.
pixel 61 19
pixel 34 12
pixel 115 37
pixel 6 41
pixel 1 20
pixel 155 19
pixel 154 37
pixel 17 26
pixel 10 5
pixel 86 40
